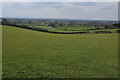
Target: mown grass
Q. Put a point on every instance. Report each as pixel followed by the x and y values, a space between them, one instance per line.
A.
pixel 76 27
pixel 68 28
pixel 111 30
pixel 54 29
pixel 33 54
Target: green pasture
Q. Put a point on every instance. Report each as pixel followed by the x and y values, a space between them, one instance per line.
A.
pixel 34 54
pixel 111 30
pixel 53 29
pixel 76 27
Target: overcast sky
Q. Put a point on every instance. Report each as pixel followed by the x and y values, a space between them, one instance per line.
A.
pixel 70 10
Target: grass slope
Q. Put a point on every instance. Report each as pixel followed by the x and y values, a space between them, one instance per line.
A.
pixel 33 54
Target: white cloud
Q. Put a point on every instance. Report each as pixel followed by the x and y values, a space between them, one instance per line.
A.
pixel 108 10
pixel 0 9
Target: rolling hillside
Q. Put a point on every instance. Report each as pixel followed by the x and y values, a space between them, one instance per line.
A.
pixel 33 54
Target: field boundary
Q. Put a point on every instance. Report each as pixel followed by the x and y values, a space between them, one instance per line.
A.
pixel 43 30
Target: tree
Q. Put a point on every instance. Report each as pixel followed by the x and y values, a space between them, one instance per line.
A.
pixel 29 22
pixel 60 24
pixel 71 24
pixel 5 22
pixel 117 25
pixel 52 24
pixel 106 27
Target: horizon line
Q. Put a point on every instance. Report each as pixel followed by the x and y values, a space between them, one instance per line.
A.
pixel 57 18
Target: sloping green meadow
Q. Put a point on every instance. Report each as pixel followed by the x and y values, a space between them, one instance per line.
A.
pixel 33 54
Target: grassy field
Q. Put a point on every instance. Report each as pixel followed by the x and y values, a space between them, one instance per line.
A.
pixel 54 29
pixel 111 30
pixel 76 27
pixel 33 54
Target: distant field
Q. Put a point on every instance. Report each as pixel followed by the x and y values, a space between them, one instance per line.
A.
pixel 77 27
pixel 53 29
pixel 33 54
pixel 111 30
pixel 68 28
